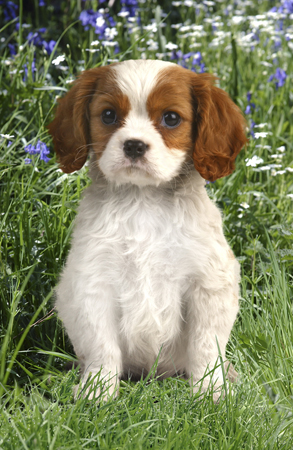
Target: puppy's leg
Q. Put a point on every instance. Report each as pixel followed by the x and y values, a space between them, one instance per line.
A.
pixel 91 320
pixel 211 314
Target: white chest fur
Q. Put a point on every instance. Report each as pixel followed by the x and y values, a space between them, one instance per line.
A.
pixel 136 255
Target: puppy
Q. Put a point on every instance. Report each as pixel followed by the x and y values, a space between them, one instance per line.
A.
pixel 149 272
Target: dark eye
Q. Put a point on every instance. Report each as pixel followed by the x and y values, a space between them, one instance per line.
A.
pixel 171 119
pixel 108 116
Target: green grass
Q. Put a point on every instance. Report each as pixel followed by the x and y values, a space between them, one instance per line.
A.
pixel 38 205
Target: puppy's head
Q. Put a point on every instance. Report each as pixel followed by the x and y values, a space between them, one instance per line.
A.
pixel 143 120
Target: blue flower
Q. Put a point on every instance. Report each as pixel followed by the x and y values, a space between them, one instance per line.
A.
pixel 277 44
pixel 49 46
pixel 250 106
pixel 248 110
pixel 280 77
pixel 42 3
pixel 40 149
pixel 12 49
pixel 177 54
pixel 197 59
pixel 43 151
pixel 88 17
pixel 100 22
pixel 187 55
pixel 33 70
pixel 130 6
pixel 37 39
pixel 288 5
pixel 252 125
pixel 10 10
pixel 30 149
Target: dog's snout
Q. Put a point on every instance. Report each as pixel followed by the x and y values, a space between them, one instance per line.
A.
pixel 134 148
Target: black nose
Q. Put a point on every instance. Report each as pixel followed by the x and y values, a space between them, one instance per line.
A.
pixel 134 148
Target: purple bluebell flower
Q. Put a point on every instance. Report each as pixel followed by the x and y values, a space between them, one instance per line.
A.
pixel 49 46
pixel 100 22
pixel 187 55
pixel 277 44
pixel 42 3
pixel 35 38
pixel 197 59
pixel 12 49
pixel 88 18
pixel 248 110
pixel 10 10
pixel 279 25
pixel 176 54
pixel 251 106
pixel 130 6
pixel 43 151
pixel 33 70
pixel 110 20
pixel 279 76
pixel 30 149
pixel 40 149
pixel 288 5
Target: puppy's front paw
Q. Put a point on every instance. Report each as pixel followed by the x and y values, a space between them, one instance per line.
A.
pixel 200 388
pixel 215 381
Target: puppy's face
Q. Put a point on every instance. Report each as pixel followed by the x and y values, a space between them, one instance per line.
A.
pixel 144 115
pixel 144 120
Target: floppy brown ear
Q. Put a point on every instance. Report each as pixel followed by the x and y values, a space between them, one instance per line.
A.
pixel 70 128
pixel 219 129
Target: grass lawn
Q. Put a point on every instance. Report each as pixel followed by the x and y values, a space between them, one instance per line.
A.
pixel 43 45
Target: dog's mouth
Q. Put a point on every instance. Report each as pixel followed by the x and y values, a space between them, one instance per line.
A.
pixel 130 168
pixel 136 172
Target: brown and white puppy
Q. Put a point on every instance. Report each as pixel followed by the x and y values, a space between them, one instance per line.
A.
pixel 149 272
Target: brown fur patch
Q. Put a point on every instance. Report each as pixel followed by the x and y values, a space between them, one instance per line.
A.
pixel 172 93
pixel 212 127
pixel 107 96
pixel 219 129
pixel 77 123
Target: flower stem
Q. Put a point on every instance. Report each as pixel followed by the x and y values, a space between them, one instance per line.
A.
pixel 20 23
